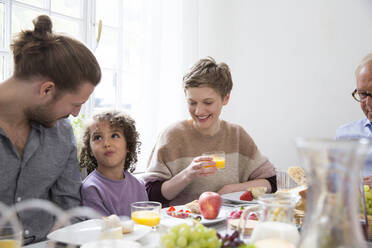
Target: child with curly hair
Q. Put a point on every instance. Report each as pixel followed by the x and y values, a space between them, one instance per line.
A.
pixel 109 153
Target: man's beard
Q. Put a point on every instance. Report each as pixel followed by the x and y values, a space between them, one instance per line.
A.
pixel 42 114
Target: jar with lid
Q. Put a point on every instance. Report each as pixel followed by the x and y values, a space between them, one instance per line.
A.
pixel 276 220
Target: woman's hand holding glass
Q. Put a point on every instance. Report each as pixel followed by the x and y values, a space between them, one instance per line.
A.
pixel 201 166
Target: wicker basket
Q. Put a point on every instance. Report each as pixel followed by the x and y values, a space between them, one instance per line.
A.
pixel 299 217
pixel 369 231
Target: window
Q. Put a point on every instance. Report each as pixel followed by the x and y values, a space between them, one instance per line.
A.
pixel 79 19
pixel 4 50
pixel 2 66
pixel 140 53
pixel 117 54
pixel 2 25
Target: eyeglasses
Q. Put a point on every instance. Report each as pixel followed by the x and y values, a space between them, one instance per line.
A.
pixel 359 95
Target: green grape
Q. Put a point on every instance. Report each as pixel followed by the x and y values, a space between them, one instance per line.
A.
pixel 210 233
pixel 368 195
pixel 366 188
pixel 194 244
pixel 181 242
pixel 369 211
pixel 203 243
pixel 175 229
pixel 184 236
pixel 164 238
pixel 199 227
pixel 184 232
pixel 172 236
pixel 169 244
pixel 211 243
pixel 196 235
pixel 184 225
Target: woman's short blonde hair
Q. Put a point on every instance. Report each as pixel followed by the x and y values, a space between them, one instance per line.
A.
pixel 206 72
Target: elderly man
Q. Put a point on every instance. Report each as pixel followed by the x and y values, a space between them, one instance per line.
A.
pixel 362 128
pixel 53 76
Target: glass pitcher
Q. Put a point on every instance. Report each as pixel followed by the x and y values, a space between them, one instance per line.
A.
pixel 276 219
pixel 333 168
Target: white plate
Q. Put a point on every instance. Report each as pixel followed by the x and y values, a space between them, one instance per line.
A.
pixel 89 230
pixel 221 215
pixel 111 243
pixel 235 197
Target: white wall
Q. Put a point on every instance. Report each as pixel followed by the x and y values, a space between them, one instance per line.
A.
pixel 292 63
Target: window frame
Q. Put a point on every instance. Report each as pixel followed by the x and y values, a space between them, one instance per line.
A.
pixel 88 28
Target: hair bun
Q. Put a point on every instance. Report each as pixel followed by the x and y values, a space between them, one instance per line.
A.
pixel 43 25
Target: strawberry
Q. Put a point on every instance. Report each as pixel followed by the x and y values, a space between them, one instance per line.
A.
pixel 252 216
pixel 235 214
pixel 246 196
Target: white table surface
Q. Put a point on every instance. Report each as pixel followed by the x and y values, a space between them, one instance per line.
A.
pixel 152 240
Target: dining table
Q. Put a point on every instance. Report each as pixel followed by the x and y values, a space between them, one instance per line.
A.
pixel 152 239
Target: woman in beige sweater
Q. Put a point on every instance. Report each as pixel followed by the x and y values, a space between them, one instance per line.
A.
pixel 177 172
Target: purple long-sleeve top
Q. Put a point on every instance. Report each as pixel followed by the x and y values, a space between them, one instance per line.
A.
pixel 109 196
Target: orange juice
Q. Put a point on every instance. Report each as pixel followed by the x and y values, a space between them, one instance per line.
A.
pixel 148 218
pixel 9 243
pixel 220 162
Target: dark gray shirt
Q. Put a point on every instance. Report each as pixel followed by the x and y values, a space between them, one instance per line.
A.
pixel 48 170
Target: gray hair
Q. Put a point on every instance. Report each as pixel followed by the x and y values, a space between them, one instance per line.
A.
pixel 365 60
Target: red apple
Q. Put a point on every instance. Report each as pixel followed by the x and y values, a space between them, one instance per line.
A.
pixel 210 204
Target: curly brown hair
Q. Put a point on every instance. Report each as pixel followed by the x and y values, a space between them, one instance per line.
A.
pixel 116 119
pixel 206 72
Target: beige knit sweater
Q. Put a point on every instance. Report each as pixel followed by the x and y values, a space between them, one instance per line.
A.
pixel 180 143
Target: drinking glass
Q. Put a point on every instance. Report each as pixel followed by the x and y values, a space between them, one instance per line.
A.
pixel 146 213
pixel 218 157
pixel 10 228
pixel 10 238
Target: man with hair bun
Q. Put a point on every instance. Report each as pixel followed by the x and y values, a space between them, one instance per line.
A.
pixel 54 76
pixel 361 128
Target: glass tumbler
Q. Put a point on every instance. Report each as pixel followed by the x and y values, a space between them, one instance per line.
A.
pixel 146 213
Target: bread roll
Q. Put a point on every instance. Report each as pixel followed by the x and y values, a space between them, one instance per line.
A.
pixel 127 226
pixel 297 174
pixel 248 228
pixel 257 191
pixel 193 206
pixel 111 221
pixel 112 224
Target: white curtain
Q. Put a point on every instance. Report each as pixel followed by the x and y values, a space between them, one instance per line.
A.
pixel 170 36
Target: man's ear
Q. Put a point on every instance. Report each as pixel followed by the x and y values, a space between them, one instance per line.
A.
pixel 47 88
pixel 226 99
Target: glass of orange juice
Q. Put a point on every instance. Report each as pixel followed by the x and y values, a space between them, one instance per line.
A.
pixel 146 213
pixel 9 238
pixel 218 157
